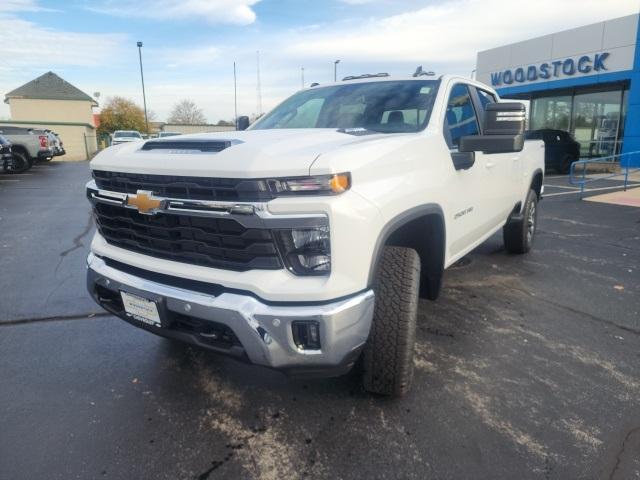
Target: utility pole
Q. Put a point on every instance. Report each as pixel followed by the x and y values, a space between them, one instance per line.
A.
pixel 335 70
pixel 235 96
pixel 144 96
pixel 259 90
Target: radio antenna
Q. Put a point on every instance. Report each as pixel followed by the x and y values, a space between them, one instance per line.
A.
pixel 258 88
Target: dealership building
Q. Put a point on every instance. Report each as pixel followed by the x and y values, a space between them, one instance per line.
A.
pixel 585 81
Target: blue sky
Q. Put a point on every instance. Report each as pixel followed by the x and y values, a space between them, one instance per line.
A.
pixel 190 45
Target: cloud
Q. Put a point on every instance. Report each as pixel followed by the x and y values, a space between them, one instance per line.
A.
pixel 21 6
pixel 451 32
pixel 26 44
pixel 237 12
pixel 28 49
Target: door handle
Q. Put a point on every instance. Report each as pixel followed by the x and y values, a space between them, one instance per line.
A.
pixel 489 164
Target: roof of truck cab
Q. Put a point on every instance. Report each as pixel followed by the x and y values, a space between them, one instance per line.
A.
pixel 443 78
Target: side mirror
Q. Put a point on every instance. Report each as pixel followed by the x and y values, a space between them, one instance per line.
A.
pixel 503 130
pixel 506 118
pixel 242 123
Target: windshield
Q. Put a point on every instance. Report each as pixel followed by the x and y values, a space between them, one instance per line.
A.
pixel 125 133
pixel 388 107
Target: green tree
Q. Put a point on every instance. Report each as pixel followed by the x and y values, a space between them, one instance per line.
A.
pixel 121 113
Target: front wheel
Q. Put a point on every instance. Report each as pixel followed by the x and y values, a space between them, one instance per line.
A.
pixel 388 354
pixel 518 234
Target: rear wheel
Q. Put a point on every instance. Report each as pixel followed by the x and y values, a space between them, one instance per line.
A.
pixel 565 164
pixel 388 354
pixel 518 234
pixel 19 163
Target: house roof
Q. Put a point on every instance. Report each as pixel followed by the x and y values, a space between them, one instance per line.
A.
pixel 49 87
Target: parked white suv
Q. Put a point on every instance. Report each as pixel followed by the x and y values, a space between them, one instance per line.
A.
pixel 305 242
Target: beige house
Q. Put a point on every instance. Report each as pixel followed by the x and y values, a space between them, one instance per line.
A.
pixel 53 103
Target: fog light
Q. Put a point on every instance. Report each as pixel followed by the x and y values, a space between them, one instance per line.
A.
pixel 306 335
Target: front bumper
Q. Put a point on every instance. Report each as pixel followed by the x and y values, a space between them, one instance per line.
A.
pixel 260 332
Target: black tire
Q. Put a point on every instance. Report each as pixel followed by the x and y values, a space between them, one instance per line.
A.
pixel 565 164
pixel 518 235
pixel 388 354
pixel 19 164
pixel 24 154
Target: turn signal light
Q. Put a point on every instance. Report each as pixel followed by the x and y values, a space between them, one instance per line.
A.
pixel 340 183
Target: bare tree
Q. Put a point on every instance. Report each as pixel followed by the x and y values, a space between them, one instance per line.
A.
pixel 186 112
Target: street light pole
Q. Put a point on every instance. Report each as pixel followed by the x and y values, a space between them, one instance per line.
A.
pixel 144 96
pixel 335 70
pixel 235 96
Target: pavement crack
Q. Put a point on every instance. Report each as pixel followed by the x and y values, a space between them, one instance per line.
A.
pixel 611 323
pixel 82 316
pixel 621 451
pixel 55 289
pixel 77 240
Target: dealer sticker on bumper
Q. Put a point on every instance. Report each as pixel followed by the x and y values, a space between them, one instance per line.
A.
pixel 141 309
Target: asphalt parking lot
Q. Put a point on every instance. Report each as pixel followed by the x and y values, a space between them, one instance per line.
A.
pixel 527 367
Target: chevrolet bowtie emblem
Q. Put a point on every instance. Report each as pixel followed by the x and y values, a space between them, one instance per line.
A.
pixel 145 202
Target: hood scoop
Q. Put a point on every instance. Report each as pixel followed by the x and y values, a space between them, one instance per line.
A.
pixel 189 145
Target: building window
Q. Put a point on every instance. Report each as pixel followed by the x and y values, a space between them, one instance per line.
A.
pixel 594 117
pixel 596 122
pixel 551 112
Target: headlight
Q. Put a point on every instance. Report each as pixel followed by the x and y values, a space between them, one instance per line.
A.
pixel 315 185
pixel 305 251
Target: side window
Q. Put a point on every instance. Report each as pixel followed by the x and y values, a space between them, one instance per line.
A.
pixel 461 117
pixel 486 98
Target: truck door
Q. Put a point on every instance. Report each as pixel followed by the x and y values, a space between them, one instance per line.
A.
pixel 503 171
pixel 469 212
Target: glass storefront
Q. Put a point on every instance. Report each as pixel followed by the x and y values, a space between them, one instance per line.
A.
pixel 595 117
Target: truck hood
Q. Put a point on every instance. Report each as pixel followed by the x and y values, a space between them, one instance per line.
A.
pixel 251 154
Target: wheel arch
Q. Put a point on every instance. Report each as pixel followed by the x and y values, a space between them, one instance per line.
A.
pixel 536 182
pixel 422 228
pixel 21 149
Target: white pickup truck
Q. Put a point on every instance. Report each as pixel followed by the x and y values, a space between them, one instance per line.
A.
pixel 304 243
